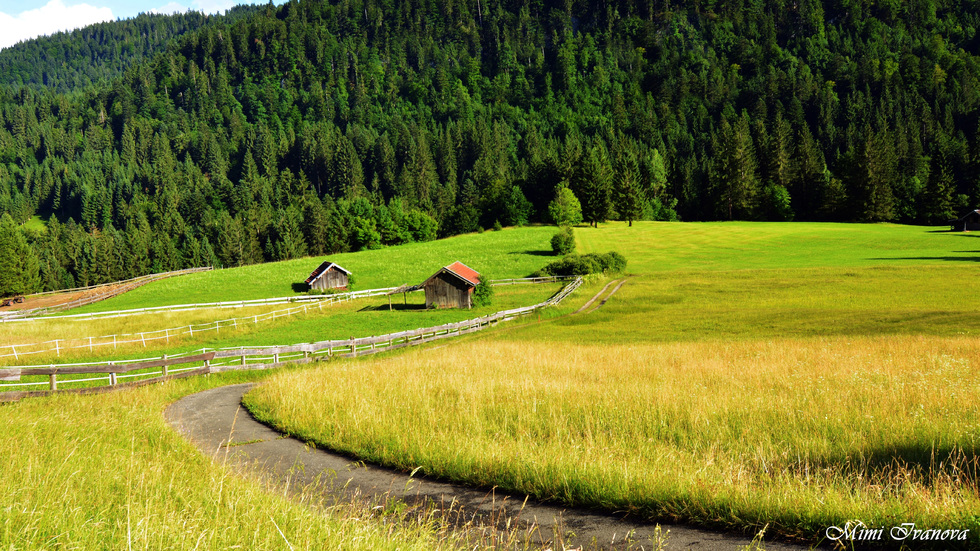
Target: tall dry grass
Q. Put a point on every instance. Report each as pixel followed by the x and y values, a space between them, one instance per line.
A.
pixel 106 472
pixel 796 434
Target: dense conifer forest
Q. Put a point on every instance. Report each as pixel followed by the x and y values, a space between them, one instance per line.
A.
pixel 73 61
pixel 324 126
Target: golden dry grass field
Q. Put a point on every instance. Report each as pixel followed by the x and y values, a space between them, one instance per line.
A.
pixel 798 376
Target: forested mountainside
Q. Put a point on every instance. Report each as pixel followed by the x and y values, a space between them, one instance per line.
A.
pixel 72 61
pixel 326 126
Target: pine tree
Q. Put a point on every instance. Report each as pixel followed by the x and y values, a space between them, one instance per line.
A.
pixel 736 180
pixel 19 268
pixel 594 181
pixel 627 190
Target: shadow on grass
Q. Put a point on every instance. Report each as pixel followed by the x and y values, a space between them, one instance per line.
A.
pixel 300 287
pixel 943 258
pixel 534 253
pixel 923 464
pixel 394 306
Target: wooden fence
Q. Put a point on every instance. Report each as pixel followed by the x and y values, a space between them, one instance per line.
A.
pixel 113 290
pixel 306 302
pixel 230 359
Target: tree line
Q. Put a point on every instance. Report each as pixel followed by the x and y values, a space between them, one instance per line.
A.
pixel 319 127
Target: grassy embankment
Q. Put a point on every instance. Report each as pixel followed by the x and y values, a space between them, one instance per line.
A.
pixel 795 375
pixel 106 472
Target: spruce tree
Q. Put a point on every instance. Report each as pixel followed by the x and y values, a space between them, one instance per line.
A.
pixel 19 272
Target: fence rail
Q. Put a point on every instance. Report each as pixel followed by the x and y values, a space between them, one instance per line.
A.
pixel 115 289
pixel 58 346
pixel 259 357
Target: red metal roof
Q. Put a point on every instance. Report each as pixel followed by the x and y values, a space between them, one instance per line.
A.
pixel 460 270
pixel 465 272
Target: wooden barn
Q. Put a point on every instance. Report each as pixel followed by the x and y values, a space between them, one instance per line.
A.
pixel 969 222
pixel 328 276
pixel 451 287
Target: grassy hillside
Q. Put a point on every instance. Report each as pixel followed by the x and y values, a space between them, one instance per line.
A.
pixel 795 375
pixel 514 252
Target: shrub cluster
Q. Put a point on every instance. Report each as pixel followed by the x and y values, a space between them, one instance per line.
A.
pixel 483 293
pixel 585 264
pixel 563 242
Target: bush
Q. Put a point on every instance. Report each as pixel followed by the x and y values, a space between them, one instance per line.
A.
pixel 585 264
pixel 563 242
pixel 483 293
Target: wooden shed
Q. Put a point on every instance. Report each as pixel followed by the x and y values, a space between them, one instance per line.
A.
pixel 968 222
pixel 451 287
pixel 329 276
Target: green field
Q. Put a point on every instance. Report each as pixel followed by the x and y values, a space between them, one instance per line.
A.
pixel 513 253
pixel 790 375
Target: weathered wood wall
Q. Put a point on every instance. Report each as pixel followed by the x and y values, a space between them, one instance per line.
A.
pixel 446 291
pixel 333 279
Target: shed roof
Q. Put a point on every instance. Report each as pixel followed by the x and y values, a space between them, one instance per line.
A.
pixel 463 272
pixel 324 268
pixel 969 214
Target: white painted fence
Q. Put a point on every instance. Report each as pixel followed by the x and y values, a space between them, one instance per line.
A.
pixel 264 357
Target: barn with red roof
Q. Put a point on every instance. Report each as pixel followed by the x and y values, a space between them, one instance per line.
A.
pixel 451 287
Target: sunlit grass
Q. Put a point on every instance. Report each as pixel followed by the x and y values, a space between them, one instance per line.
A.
pixel 791 375
pixel 513 252
pixel 106 472
pixel 797 434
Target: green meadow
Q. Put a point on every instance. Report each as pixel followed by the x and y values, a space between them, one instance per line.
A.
pixel 795 376
pixel 512 253
pixel 107 472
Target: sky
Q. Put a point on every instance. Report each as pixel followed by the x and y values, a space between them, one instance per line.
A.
pixel 26 19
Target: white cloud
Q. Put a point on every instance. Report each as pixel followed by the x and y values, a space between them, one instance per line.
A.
pixel 53 17
pixel 172 7
pixel 217 6
pixel 206 6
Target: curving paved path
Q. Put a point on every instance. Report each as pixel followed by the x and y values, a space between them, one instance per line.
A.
pixel 215 418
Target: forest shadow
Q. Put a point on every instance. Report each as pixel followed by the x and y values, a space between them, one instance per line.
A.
pixel 300 287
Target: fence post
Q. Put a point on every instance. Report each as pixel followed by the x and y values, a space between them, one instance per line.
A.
pixel 14 348
pixel 191 328
pixel 57 349
pixel 165 370
pixel 112 379
pixel 142 338
pixel 53 381
pixel 353 347
pixel 90 344
pixel 168 339
pixel 207 365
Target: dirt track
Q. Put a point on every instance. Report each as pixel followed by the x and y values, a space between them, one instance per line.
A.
pixel 213 419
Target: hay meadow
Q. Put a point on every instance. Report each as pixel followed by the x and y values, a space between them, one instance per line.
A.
pixel 795 376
